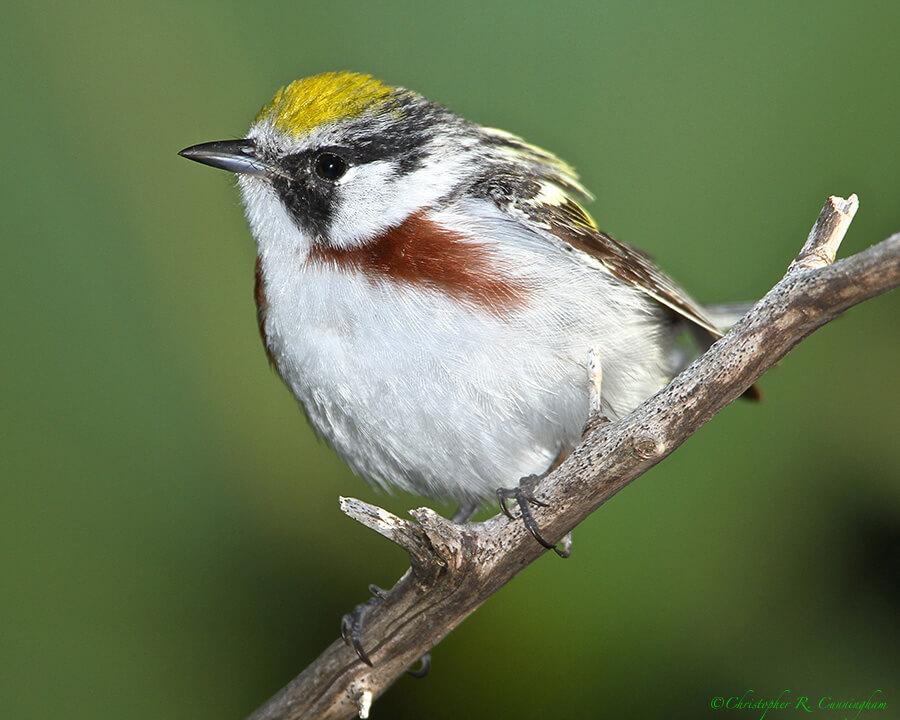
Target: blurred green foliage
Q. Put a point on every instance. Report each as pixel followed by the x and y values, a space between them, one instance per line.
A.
pixel 171 542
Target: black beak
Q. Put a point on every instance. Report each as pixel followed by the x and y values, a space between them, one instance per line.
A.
pixel 237 156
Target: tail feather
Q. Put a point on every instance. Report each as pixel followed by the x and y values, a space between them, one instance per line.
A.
pixel 723 315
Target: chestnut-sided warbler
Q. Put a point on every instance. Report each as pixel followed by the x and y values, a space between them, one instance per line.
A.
pixel 429 289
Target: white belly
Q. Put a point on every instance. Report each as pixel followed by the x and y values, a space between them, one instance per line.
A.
pixel 417 391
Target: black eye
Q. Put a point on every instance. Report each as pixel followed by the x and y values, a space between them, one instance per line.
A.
pixel 330 166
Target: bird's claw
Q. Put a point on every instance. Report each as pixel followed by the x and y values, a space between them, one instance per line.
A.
pixel 424 667
pixel 352 623
pixel 352 631
pixel 523 494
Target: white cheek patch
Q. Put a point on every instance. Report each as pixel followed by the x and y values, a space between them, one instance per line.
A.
pixel 365 204
pixel 379 195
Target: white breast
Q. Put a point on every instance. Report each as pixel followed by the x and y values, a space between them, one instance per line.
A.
pixel 417 390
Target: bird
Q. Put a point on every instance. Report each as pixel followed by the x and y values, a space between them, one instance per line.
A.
pixel 431 290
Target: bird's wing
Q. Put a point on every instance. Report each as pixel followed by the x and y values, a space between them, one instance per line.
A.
pixel 548 207
pixel 537 189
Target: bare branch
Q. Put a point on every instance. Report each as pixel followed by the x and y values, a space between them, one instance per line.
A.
pixel 455 568
pixel 403 532
pixel 827 234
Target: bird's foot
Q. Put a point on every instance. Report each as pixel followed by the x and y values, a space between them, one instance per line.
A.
pixel 464 513
pixel 352 622
pixel 523 494
pixel 352 631
pixel 424 667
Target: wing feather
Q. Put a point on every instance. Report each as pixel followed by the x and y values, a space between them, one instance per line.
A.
pixel 549 209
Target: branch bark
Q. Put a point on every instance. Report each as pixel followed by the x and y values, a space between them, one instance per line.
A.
pixel 455 568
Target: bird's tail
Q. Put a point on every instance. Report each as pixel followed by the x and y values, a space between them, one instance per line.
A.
pixel 723 316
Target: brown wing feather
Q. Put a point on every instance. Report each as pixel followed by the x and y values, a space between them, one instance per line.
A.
pixel 569 223
pixel 540 191
pixel 634 267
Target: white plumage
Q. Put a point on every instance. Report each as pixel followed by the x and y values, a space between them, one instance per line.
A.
pixel 417 390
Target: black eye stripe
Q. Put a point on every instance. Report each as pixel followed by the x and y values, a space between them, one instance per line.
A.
pixel 330 166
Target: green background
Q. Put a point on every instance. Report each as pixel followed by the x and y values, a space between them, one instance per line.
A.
pixel 171 541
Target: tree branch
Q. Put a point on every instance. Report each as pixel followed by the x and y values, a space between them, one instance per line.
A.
pixel 455 568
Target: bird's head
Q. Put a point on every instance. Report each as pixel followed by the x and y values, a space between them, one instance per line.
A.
pixel 342 157
pixel 345 157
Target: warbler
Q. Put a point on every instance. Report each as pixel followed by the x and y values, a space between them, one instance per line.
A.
pixel 430 289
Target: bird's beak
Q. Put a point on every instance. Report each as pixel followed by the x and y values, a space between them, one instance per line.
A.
pixel 237 156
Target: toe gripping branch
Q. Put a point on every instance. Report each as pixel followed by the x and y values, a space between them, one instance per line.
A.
pixel 431 542
pixel 352 623
pixel 352 631
pixel 523 494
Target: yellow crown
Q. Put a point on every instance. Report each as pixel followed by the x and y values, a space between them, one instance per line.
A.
pixel 308 103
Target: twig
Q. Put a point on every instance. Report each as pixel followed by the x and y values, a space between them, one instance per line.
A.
pixel 455 568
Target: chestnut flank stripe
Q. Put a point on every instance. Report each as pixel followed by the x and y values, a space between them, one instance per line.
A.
pixel 421 253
